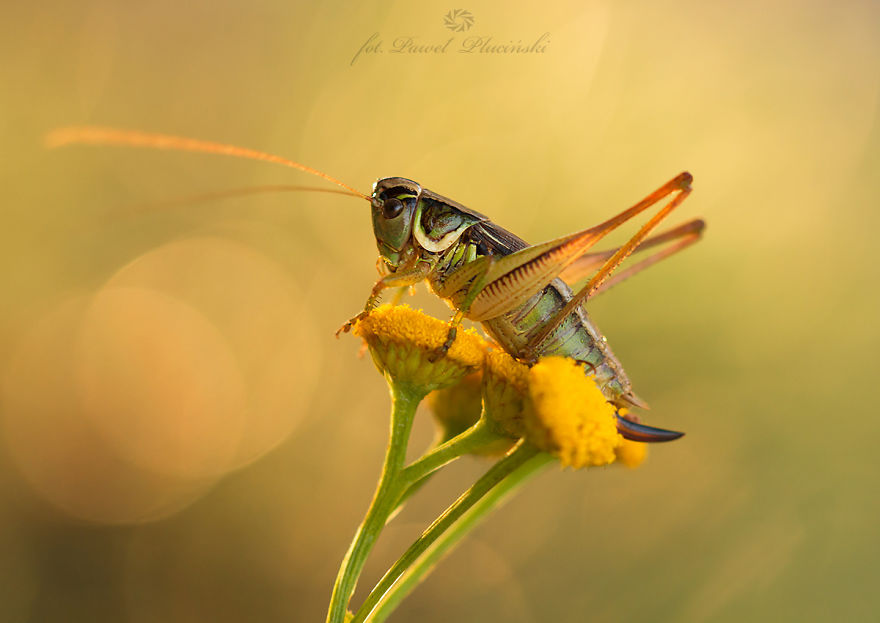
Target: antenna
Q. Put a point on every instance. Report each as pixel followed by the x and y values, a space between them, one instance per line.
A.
pixel 96 135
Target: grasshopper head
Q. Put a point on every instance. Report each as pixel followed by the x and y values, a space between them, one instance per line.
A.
pixel 394 204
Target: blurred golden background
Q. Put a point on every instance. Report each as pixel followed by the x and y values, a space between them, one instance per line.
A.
pixel 184 440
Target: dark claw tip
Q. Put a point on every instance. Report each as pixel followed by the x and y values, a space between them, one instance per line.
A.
pixel 646 434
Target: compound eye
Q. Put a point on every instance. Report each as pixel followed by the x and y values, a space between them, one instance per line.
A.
pixel 392 208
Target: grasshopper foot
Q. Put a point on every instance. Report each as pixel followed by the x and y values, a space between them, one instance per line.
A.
pixel 350 324
pixel 441 352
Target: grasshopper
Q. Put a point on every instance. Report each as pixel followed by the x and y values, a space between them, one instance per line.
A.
pixel 520 293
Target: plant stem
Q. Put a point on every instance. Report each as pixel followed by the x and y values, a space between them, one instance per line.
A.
pixel 460 529
pixel 417 473
pixel 405 399
pixel 520 455
pixel 471 439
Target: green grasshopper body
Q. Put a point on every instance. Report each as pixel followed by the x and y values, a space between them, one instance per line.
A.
pixel 578 337
pixel 490 275
pixel 516 290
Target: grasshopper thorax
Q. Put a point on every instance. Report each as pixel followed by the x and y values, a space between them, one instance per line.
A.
pixel 394 203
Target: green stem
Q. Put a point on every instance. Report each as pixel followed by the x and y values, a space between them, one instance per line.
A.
pixel 498 472
pixel 417 473
pixel 474 438
pixel 460 529
pixel 405 399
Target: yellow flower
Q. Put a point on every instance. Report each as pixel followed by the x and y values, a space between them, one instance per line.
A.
pixel 403 341
pixel 631 453
pixel 556 406
pixel 505 393
pixel 571 418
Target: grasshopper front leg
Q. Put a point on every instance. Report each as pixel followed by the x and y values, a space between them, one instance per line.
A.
pixel 399 279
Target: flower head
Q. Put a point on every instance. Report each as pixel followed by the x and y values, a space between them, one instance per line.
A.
pixel 505 393
pixel 571 417
pixel 554 405
pixel 403 343
pixel 631 453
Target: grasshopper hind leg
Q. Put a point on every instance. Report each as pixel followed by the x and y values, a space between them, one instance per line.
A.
pixel 472 280
pixel 451 332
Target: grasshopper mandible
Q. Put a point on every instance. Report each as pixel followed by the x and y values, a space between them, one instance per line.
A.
pixel 520 293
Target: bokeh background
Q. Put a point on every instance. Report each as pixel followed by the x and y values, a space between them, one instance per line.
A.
pixel 184 440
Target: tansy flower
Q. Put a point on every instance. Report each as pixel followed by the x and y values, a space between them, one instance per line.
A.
pixel 556 406
pixel 631 453
pixel 505 393
pixel 403 341
pixel 571 418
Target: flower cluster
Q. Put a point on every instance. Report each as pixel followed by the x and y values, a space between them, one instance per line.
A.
pixel 486 403
pixel 553 405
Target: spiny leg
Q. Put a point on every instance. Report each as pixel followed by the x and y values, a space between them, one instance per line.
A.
pixel 587 264
pixel 450 337
pixel 473 287
pixel 687 234
pixel 681 185
pixel 401 279
pixel 474 277
pixel 516 277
